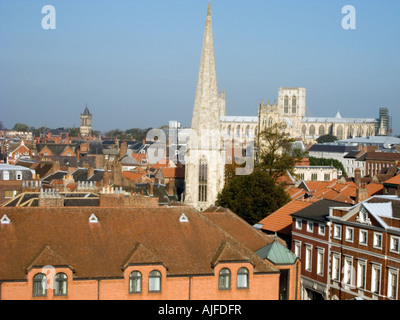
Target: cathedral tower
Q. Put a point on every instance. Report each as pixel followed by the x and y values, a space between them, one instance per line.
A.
pixel 86 123
pixel 205 158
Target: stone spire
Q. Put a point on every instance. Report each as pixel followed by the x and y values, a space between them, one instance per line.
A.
pixel 206 106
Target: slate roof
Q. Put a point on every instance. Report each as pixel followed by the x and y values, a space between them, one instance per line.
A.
pixel 332 148
pixel 319 210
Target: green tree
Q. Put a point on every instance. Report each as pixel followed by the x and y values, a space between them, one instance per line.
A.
pixel 328 162
pixel 253 197
pixel 326 138
pixel 20 127
pixel 277 154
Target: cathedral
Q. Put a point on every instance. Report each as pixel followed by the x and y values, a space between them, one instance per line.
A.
pixel 212 130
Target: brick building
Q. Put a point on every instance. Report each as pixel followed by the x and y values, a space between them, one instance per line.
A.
pixel 349 252
pixel 134 249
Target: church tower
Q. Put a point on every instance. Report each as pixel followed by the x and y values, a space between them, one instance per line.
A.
pixel 205 157
pixel 86 123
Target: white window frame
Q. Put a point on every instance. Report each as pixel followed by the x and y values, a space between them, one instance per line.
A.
pixel 321 225
pixel 392 239
pixel 374 244
pixel 297 248
pixel 360 237
pixel 348 229
pixel 320 261
pixel 337 231
pixel 310 226
pixel 299 224
pixel 308 258
pixel 361 278
pixel 392 272
pixel 376 269
pixel 348 271
pixel 336 259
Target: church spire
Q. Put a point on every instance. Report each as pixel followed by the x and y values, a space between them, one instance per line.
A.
pixel 206 107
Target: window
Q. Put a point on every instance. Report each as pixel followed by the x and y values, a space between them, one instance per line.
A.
pixel 392 283
pixel 243 278
pixel 337 231
pixel 10 194
pixel 376 279
pixel 321 130
pixel 286 104
pixel 314 176
pixel 349 234
pixel 308 257
pixel 336 267
pixel 6 175
pixel 348 270
pixel 155 281
pixel 135 282
pixel 298 224
pixel 39 285
pixel 312 130
pixel 60 284
pixel 327 176
pixel 321 229
pixel 320 261
pixel 18 175
pixel 224 280
pixel 361 273
pixel 203 181
pixel 310 226
pixel 377 241
pixel 297 248
pixel 363 237
pixel 394 244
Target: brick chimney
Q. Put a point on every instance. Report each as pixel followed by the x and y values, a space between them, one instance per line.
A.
pixel 361 193
pixel 357 176
pixel 123 149
pixel 151 188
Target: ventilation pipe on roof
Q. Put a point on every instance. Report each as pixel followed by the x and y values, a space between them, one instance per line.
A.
pixel 5 220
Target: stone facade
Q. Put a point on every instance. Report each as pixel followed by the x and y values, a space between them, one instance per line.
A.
pixel 205 158
pixel 86 123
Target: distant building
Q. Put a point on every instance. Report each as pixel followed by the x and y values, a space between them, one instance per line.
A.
pixel 86 123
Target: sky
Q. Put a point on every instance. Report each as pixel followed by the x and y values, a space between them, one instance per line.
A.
pixel 135 63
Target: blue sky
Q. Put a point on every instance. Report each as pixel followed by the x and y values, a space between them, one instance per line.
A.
pixel 135 63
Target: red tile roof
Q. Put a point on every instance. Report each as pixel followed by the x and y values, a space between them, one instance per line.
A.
pixel 280 221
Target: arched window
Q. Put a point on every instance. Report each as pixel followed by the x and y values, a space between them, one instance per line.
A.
pixel 228 132
pixel 270 122
pixel 304 130
pixel 312 130
pixel 238 131
pixel 203 180
pixel 286 104
pixel 60 284
pixel 224 280
pixel 135 282
pixel 39 288
pixel 294 104
pixel 321 130
pixel 243 278
pixel 247 131
pixel 155 281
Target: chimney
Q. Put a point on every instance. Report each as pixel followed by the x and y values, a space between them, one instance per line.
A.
pixel 362 193
pixel 90 171
pixel 151 188
pixel 123 149
pixel 357 176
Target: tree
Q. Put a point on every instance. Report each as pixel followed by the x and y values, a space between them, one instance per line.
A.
pixel 20 127
pixel 328 162
pixel 277 155
pixel 326 138
pixel 253 197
